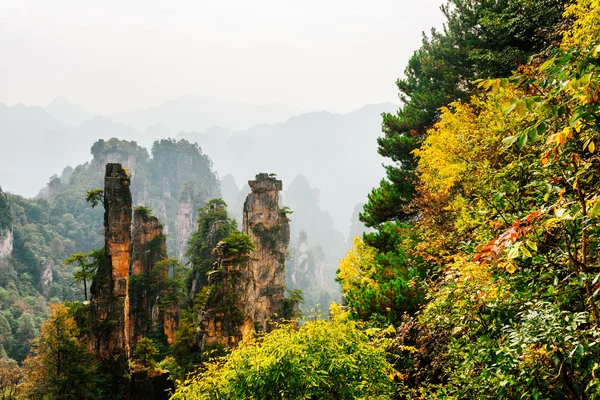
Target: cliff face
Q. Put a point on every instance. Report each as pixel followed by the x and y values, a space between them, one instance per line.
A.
pixel 6 231
pixel 109 306
pixel 269 228
pixel 45 270
pixel 184 224
pixel 149 247
pixel 297 265
pixel 6 242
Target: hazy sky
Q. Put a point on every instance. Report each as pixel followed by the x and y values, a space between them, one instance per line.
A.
pixel 114 55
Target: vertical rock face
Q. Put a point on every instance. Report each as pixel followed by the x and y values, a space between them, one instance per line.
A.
pixel 149 247
pixel 45 277
pixel 109 308
pixel 227 315
pixel 115 157
pixel 6 232
pixel 297 266
pixel 269 228
pixel 6 242
pixel 184 224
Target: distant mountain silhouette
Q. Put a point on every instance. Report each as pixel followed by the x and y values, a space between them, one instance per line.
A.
pixel 67 113
pixel 198 113
pixel 36 145
pixel 337 153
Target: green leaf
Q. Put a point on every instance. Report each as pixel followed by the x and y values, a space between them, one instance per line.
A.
pixel 531 245
pixel 541 128
pixel 532 134
pixel 507 109
pixel 547 64
pixel 575 117
pixel 595 210
pixel 530 103
pixel 522 140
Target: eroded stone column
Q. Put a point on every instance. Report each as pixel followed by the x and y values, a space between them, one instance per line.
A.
pixel 269 228
pixel 109 306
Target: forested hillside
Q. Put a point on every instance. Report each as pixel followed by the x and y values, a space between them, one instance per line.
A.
pixel 47 230
pixel 479 276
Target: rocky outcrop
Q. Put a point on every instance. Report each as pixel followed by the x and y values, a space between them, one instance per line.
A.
pixel 6 242
pixel 245 292
pixel 118 157
pixel 109 306
pixel 149 247
pixel 268 226
pixel 184 224
pixel 6 227
pixel 297 266
pixel 161 213
pixel 46 277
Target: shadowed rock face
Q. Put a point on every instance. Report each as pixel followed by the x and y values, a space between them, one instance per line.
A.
pixel 109 307
pixel 149 247
pixel 269 229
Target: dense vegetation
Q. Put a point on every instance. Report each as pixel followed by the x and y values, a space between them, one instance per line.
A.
pixel 213 226
pixel 480 279
pixel 51 227
pixel 317 361
pixel 499 259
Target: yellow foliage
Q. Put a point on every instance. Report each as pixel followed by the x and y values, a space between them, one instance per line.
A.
pixel 357 267
pixel 585 33
pixel 467 287
pixel 337 313
pixel 444 156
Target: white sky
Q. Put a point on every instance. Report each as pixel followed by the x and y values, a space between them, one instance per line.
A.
pixel 115 55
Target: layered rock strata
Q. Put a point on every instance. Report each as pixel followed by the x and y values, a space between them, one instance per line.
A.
pixel 109 306
pixel 268 226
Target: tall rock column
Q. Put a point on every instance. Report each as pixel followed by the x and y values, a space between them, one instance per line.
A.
pixel 109 306
pixel 269 227
pixel 6 232
pixel 149 247
pixel 184 224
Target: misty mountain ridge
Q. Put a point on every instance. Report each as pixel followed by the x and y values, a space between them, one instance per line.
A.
pixel 67 113
pixel 322 146
pixel 198 113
